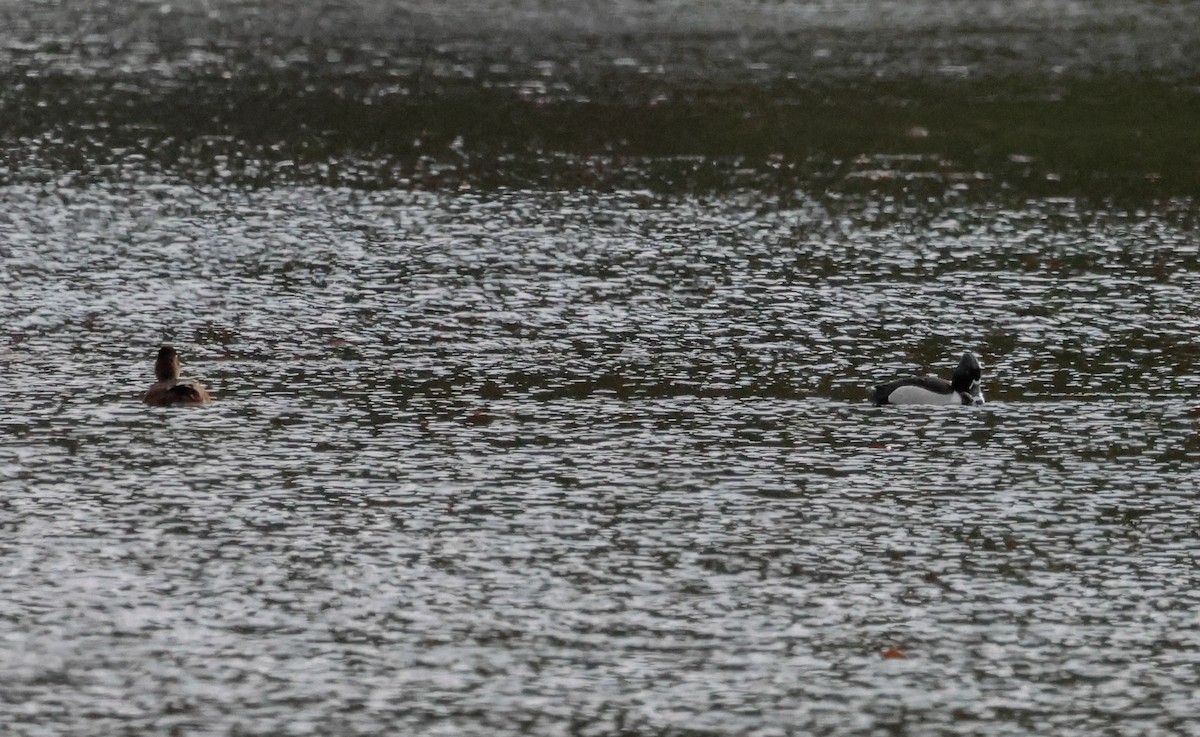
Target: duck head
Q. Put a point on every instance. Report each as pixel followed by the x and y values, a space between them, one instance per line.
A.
pixel 967 378
pixel 166 366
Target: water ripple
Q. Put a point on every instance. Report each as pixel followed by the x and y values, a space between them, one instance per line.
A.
pixel 568 462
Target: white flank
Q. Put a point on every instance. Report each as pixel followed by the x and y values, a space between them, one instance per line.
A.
pixel 920 395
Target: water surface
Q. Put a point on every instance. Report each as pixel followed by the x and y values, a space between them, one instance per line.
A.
pixel 531 418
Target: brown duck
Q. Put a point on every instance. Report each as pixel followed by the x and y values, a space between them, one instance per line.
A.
pixel 169 390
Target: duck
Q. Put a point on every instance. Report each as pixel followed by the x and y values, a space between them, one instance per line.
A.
pixel 964 387
pixel 169 389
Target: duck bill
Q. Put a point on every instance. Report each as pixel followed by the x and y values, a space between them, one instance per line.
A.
pixel 976 392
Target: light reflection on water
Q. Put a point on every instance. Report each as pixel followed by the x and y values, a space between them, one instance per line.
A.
pixel 676 514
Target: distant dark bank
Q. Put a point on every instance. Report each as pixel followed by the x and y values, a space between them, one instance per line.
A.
pixel 983 98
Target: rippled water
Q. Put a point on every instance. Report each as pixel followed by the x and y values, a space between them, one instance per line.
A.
pixel 541 340
pixel 549 463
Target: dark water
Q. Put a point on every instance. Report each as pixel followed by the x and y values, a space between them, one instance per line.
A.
pixel 1052 98
pixel 553 429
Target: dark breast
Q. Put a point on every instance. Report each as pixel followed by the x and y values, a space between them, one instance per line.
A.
pixel 185 393
pixel 165 393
